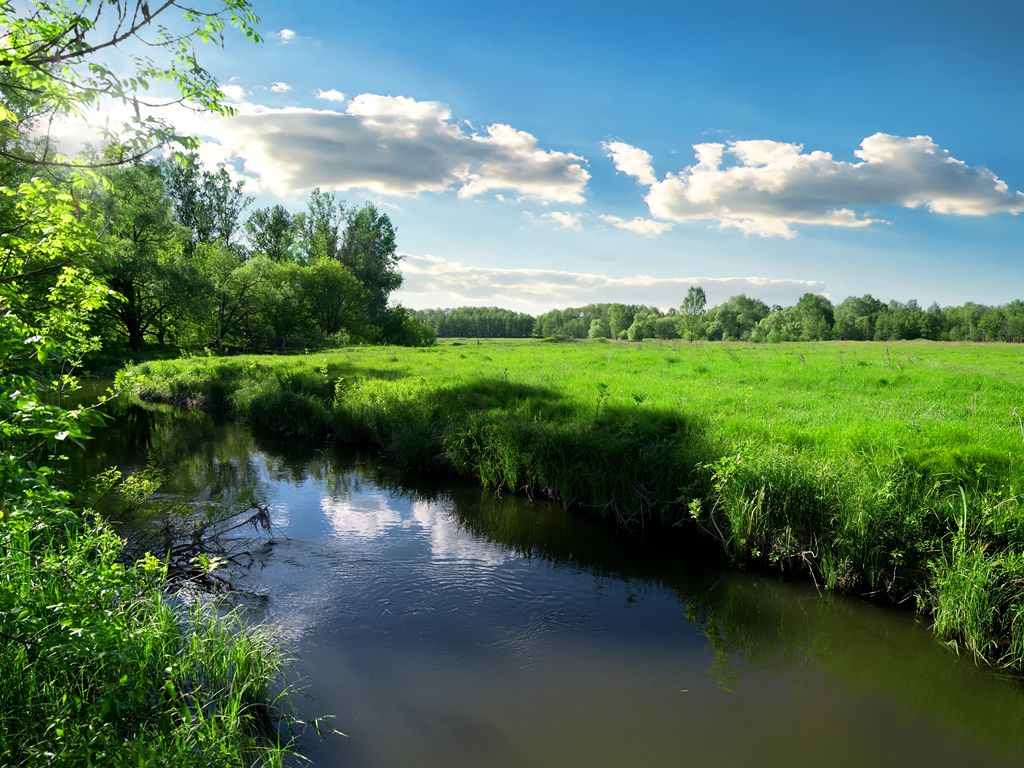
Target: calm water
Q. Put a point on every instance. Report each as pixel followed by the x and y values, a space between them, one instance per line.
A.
pixel 444 626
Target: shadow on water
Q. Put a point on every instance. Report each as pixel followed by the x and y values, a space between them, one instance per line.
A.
pixel 446 625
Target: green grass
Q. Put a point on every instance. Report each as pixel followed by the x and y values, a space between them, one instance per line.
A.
pixel 886 469
pixel 100 667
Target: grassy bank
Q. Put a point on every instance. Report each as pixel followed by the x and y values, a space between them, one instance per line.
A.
pixel 890 469
pixel 101 667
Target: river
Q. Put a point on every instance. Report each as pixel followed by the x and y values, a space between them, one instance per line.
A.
pixel 443 625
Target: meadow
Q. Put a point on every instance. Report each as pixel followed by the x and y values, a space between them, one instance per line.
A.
pixel 887 470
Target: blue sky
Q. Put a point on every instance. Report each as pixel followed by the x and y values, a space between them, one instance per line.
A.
pixel 559 205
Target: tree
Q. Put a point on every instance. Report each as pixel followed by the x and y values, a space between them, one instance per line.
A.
pixel 598 329
pixel 400 326
pixel 138 255
pixel 319 228
pixel 855 317
pixel 816 317
pixel 370 252
pixel 643 326
pixel 271 232
pixel 234 289
pixel 209 204
pixel 736 318
pixel 53 63
pixel 781 324
pixel 692 310
pixel 619 319
pixel 666 327
pixel 333 298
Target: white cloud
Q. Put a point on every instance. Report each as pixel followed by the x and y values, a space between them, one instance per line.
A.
pixel 431 281
pixel 331 94
pixel 765 187
pixel 285 35
pixel 641 226
pixel 232 92
pixel 564 220
pixel 631 161
pixel 390 145
pixel 280 87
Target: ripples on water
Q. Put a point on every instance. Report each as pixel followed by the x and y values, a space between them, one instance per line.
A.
pixel 445 626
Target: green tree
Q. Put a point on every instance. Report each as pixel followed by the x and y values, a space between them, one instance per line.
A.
pixel 736 318
pixel 272 232
pixel 643 325
pixel 139 253
pixel 209 204
pixel 599 329
pixel 855 317
pixel 817 317
pixel 59 58
pixel 781 324
pixel 319 228
pixel 369 251
pixel 333 298
pixel 619 319
pixel 400 326
pixel 234 292
pixel 692 310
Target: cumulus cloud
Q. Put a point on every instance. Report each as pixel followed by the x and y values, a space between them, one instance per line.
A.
pixel 390 145
pixel 285 35
pixel 765 187
pixel 431 281
pixel 232 92
pixel 331 94
pixel 280 87
pixel 639 225
pixel 631 161
pixel 564 220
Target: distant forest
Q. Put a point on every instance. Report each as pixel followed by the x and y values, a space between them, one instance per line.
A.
pixel 741 318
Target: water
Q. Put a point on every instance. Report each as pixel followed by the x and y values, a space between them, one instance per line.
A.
pixel 445 626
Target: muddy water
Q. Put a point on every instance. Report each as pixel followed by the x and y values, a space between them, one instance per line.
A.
pixel 444 626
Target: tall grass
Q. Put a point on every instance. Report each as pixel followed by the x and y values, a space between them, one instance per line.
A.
pixel 100 667
pixel 850 464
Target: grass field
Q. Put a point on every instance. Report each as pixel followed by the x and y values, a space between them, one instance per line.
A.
pixel 889 469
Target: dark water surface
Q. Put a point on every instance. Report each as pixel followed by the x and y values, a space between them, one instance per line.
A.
pixel 445 626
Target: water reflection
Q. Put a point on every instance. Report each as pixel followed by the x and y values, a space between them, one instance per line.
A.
pixel 447 626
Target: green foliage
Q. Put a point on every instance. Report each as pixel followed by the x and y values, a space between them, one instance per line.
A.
pixel 812 318
pixel 401 327
pixel 271 231
pixel 54 64
pixel 369 250
pixel 208 204
pixel 477 322
pixel 599 329
pixel 99 667
pixel 692 310
pixel 140 254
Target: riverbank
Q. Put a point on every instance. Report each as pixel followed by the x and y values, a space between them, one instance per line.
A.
pixel 889 470
pixel 101 667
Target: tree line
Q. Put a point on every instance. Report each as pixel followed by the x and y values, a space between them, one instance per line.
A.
pixel 742 318
pixel 188 267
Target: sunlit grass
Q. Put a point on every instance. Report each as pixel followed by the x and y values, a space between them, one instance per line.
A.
pixel 101 667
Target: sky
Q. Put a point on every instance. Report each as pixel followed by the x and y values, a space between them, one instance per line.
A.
pixel 549 154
